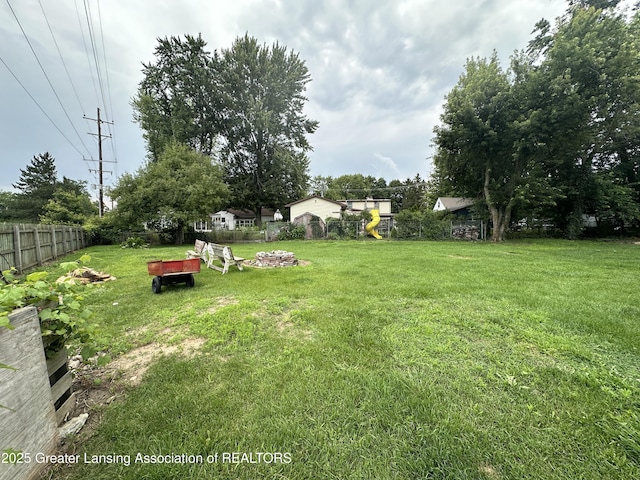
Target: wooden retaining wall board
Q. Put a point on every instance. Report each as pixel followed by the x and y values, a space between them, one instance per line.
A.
pixel 29 425
pixel 24 246
pixel 61 381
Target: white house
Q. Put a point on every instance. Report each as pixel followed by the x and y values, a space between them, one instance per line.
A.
pixel 324 208
pixel 231 219
pixel 319 206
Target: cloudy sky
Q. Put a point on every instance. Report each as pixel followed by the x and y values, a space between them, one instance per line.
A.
pixel 380 70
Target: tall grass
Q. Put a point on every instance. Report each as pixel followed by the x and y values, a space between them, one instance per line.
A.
pixel 382 360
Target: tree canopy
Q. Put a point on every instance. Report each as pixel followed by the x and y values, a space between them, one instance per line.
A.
pixel 265 130
pixel 556 135
pixel 244 104
pixel 70 204
pixel 177 99
pixel 182 186
pixel 36 185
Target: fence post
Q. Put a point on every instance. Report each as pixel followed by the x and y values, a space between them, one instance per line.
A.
pixel 54 246
pixel 17 248
pixel 36 234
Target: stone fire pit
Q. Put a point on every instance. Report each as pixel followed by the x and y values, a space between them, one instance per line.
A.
pixel 275 258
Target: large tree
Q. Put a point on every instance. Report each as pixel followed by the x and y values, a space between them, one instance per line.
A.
pixel 36 185
pixel 557 135
pixel 355 186
pixel 177 99
pixel 181 187
pixel 587 83
pixel 477 144
pixel 265 129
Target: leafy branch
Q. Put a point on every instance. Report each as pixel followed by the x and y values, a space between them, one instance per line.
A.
pixel 63 316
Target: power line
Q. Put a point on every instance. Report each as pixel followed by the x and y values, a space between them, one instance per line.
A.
pixel 87 12
pixel 73 87
pixel 100 170
pixel 106 68
pixel 38 105
pixel 46 76
pixel 84 42
pixel 64 64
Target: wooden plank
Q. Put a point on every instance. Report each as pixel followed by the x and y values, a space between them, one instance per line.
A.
pixel 30 425
pixel 66 408
pixel 17 248
pixel 54 246
pixel 54 363
pixel 61 386
pixel 36 239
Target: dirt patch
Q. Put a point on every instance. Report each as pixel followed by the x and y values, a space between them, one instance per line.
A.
pixel 135 363
pixel 286 327
pixel 222 302
pixel 489 472
pixel 96 387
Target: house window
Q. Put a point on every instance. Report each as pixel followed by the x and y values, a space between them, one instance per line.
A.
pixel 202 225
pixel 244 223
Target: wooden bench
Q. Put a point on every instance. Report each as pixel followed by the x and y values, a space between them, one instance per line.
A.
pixel 199 250
pixel 224 254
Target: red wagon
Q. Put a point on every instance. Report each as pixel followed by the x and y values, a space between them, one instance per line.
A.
pixel 169 272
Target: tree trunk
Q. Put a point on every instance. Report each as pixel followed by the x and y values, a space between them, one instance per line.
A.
pixel 500 216
pixel 180 234
pixel 258 212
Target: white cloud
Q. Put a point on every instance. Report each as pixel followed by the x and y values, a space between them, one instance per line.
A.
pixel 379 71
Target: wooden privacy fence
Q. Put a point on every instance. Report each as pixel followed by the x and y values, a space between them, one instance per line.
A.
pixel 25 246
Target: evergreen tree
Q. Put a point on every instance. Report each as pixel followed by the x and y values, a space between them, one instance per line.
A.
pixel 36 184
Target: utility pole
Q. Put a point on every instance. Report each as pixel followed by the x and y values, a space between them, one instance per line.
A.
pixel 100 171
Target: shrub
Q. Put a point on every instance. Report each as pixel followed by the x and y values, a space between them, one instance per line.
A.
pixel 63 316
pixel 291 232
pixel 134 242
pixel 420 224
pixel 102 230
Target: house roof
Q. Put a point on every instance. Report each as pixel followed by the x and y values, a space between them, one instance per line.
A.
pixel 455 203
pixel 247 214
pixel 311 197
pixel 366 200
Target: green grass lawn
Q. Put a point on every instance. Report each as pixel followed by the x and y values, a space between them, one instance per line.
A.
pixel 380 360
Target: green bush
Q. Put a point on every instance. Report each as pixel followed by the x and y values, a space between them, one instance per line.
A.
pixel 134 242
pixel 347 226
pixel 420 224
pixel 102 230
pixel 63 316
pixel 292 232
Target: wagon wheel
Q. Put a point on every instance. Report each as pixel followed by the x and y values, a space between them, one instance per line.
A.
pixel 191 281
pixel 156 284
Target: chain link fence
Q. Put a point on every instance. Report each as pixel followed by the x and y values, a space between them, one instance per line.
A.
pixel 335 229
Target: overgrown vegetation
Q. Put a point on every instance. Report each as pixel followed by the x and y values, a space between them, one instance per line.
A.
pixel 421 224
pixel 134 242
pixel 440 360
pixel 556 135
pixel 291 232
pixel 64 316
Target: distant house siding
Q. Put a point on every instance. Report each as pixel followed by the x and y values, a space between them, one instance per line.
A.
pixel 383 205
pixel 317 206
